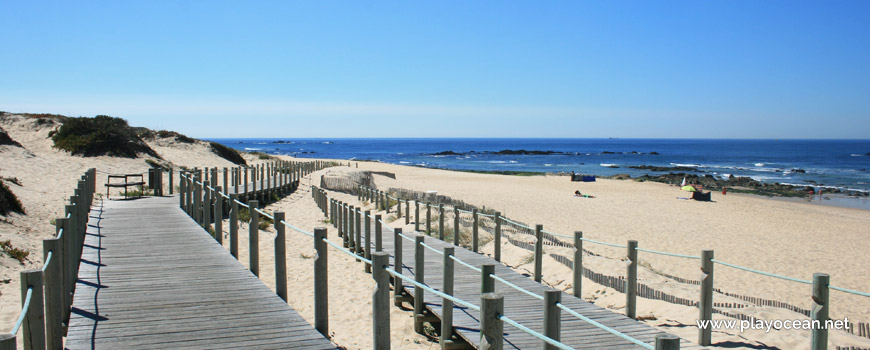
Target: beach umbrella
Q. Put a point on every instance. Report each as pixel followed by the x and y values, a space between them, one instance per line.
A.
pixel 688 188
pixel 684 181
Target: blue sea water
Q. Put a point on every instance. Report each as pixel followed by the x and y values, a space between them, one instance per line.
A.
pixel 844 164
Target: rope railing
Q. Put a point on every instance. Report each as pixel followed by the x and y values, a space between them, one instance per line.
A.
pixel 475 268
pixel 24 308
pixel 761 272
pixel 47 261
pixel 514 286
pixel 297 229
pixel 348 252
pixel 264 213
pixel 668 254
pixel 242 204
pixel 432 248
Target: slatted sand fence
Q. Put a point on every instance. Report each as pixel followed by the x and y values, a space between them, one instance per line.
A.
pixel 527 321
pixel 153 278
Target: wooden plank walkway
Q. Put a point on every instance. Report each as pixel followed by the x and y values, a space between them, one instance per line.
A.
pixel 518 306
pixel 150 277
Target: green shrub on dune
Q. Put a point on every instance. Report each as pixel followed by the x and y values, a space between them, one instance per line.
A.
pixel 227 153
pixel 98 136
pixel 8 201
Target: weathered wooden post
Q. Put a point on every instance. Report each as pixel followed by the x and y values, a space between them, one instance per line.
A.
pixel 380 301
pixel 226 180
pixel 34 322
pixel 181 199
pixel 667 342
pixel 474 230
pixel 358 246
pixel 68 264
pixel 416 216
pixel 705 302
pixel 398 206
pixel 456 226
pixel 379 241
pixel 339 224
pixel 552 317
pixel 8 342
pixel 171 184
pixel 321 288
pixel 631 281
pixel 246 180
pixel 419 273
pixel 234 225
pixel 206 206
pixel 539 251
pixel 447 304
pixel 497 235
pixel 254 239
pixel 407 212
pixel 487 283
pixel 398 285
pixel 491 326
pixel 367 246
pixel 441 221
pixel 197 201
pixel 428 218
pixel 52 259
pixel 219 216
pixel 386 202
pixel 820 311
pixel 236 175
pixel 280 257
pixel 578 264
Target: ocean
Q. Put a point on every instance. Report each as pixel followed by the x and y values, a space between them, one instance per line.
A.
pixel 843 164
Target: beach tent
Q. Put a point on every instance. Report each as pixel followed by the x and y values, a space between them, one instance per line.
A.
pixel 701 196
pixel 684 181
pixel 688 188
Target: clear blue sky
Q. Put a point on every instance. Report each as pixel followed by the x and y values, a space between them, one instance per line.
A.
pixel 734 69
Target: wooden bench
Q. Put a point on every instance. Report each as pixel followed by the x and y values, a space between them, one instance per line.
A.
pixel 125 184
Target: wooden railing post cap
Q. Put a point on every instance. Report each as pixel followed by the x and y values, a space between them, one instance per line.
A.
pixel 667 342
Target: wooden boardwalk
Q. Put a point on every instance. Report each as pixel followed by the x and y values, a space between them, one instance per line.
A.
pixel 150 277
pixel 518 306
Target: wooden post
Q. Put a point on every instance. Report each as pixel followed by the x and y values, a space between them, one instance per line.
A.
pixel 206 206
pixel 367 245
pixel 552 317
pixel 379 241
pixel 280 257
pixel 348 227
pixel 386 202
pixel 246 180
pixel 219 216
pixel 820 311
pixel 398 206
pixel 181 199
pixel 705 303
pixel 441 221
pixel 234 225
pixel 416 216
pixel 456 226
pixel 631 281
pixel 358 245
pixel 578 264
pixel 68 264
pixel 8 342
pixel 380 301
pixel 34 322
pixel 491 327
pixel 254 239
pixel 226 180
pixel 171 184
pixel 539 251
pixel 419 273
pixel 487 283
pixel 53 277
pixel 236 181
pixel 428 218
pixel 407 212
pixel 321 288
pixel 447 304
pixel 667 342
pixel 497 234
pixel 474 232
pixel 398 284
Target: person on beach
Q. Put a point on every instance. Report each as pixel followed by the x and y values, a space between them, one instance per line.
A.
pixel 578 194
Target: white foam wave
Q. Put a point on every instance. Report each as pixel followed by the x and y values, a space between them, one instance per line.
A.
pixel 686 165
pixel 252 149
pixel 608 165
